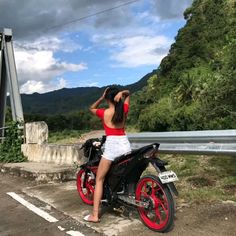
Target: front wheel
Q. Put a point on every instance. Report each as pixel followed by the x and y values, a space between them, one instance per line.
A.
pixel 86 185
pixel 158 210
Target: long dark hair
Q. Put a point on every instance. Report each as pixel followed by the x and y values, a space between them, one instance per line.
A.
pixel 118 116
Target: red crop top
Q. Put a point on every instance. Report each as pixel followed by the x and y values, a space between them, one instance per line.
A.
pixel 108 130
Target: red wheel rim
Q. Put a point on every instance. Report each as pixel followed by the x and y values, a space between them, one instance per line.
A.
pixel 156 216
pixel 86 190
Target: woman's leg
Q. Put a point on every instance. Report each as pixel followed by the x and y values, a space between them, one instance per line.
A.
pixel 103 168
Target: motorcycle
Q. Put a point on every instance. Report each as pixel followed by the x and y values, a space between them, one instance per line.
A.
pixel 126 184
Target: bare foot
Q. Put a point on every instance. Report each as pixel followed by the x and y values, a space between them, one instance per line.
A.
pixel 91 218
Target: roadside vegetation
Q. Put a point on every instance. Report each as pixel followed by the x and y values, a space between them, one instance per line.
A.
pixel 10 149
pixel 65 136
pixel 193 88
pixel 203 179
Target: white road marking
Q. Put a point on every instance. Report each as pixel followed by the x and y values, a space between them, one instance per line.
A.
pixel 33 208
pixel 74 233
pixel 61 228
pixel 41 213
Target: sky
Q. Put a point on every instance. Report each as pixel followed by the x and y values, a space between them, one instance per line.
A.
pixel 79 43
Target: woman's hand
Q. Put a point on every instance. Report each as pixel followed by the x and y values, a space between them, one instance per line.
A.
pixel 118 97
pixel 94 106
pixel 104 93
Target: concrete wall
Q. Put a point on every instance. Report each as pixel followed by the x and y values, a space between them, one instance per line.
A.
pixel 37 149
pixel 36 133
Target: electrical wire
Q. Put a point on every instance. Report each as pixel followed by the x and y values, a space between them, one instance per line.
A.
pixel 90 15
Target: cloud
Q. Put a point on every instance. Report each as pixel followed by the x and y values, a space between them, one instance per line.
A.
pixel 170 9
pixel 42 65
pixel 33 86
pixel 37 66
pixel 132 34
pixel 51 43
pixel 142 50
pixel 136 50
pixel 30 18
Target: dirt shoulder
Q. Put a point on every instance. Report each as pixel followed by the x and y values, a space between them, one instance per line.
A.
pixel 215 219
pixel 91 134
pixel 205 181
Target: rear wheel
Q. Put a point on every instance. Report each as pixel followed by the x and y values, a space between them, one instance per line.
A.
pixel 86 185
pixel 158 212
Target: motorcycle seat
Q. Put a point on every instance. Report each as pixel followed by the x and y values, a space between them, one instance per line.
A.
pixel 134 153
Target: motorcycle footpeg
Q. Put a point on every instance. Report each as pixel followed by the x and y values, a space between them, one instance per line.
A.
pixel 104 200
pixel 119 210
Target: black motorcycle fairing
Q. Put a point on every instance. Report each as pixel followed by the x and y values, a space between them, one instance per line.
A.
pixel 158 161
pixel 128 184
pixel 126 172
pixel 159 165
pixel 136 152
pixel 126 169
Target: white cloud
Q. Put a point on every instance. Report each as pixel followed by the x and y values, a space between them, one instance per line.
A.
pixel 37 17
pixel 37 66
pixel 42 65
pixel 51 43
pixel 141 50
pixel 170 9
pixel 88 83
pixel 131 34
pixel 33 86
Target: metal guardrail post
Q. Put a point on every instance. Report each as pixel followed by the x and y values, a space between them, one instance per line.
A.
pixel 189 142
pixel 3 87
pixel 16 105
pixel 8 78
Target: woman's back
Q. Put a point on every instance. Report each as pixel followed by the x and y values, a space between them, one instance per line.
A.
pixel 116 144
pixel 115 115
pixel 108 115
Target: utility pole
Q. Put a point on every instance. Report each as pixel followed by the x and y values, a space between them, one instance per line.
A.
pixel 8 80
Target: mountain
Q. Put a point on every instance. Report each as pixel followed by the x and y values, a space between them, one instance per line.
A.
pixel 69 99
pixel 195 85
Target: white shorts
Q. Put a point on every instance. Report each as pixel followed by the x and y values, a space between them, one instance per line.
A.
pixel 116 146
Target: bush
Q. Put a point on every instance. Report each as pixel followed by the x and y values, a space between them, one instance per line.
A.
pixel 10 149
pixel 156 117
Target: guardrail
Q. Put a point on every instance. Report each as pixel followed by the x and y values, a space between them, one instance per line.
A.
pixel 189 142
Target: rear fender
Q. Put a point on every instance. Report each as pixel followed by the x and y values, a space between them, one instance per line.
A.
pixel 159 166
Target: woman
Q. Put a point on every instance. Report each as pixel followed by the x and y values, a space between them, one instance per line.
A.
pixel 116 141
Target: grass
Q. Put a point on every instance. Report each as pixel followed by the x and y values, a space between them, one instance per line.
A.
pixel 65 136
pixel 72 136
pixel 204 178
pixel 201 178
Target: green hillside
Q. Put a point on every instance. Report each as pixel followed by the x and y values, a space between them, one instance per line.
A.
pixel 67 109
pixel 68 100
pixel 195 85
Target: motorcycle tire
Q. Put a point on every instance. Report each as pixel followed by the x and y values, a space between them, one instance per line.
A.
pixel 86 185
pixel 158 214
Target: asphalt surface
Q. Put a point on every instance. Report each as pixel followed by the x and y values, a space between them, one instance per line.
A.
pixel 17 220
pixel 61 201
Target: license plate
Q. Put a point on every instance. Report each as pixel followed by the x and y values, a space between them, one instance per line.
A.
pixel 168 176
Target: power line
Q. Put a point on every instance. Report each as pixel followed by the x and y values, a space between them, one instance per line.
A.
pixel 91 15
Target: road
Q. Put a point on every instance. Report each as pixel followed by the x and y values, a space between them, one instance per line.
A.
pixel 61 201
pixel 17 220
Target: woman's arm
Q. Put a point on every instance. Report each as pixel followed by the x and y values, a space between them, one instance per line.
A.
pixel 123 94
pixel 93 107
